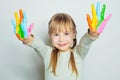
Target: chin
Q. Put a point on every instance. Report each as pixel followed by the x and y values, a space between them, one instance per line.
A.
pixel 64 49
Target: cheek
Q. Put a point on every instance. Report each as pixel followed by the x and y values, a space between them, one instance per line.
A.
pixel 69 39
pixel 71 42
pixel 54 40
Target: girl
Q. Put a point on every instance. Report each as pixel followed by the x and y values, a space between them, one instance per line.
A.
pixel 64 59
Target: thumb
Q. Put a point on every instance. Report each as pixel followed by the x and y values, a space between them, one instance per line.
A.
pixel 30 29
pixel 102 26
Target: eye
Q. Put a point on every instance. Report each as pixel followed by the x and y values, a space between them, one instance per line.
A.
pixel 55 34
pixel 66 33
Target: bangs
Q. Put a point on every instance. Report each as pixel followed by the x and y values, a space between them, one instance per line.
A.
pixel 60 27
pixel 61 22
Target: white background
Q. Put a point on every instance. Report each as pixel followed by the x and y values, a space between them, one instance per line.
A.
pixel 20 62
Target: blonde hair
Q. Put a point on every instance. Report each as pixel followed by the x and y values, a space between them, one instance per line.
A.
pixel 58 23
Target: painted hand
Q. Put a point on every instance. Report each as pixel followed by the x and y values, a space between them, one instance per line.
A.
pixel 20 26
pixel 98 22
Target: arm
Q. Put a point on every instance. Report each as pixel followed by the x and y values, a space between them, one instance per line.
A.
pixel 85 42
pixel 96 26
pixel 24 34
pixel 38 45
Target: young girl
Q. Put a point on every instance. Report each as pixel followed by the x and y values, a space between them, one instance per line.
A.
pixel 64 59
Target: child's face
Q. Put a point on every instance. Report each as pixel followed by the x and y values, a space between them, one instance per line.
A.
pixel 62 40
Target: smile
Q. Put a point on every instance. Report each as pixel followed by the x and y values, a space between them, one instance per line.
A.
pixel 62 45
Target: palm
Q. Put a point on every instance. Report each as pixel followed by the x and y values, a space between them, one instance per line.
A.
pixel 97 23
pixel 20 26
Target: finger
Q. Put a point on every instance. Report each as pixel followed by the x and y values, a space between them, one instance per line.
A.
pixel 17 22
pixel 18 36
pixel 103 11
pixel 94 23
pixel 21 15
pixel 101 16
pixel 94 20
pixel 89 22
pixel 98 10
pixel 24 18
pixel 23 27
pixel 102 26
pixel 14 25
pixel 97 26
pixel 21 32
pixel 93 11
pixel 30 29
pixel 16 18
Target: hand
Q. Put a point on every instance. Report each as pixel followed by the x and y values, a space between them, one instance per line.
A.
pixel 98 22
pixel 20 26
pixel 93 34
pixel 28 40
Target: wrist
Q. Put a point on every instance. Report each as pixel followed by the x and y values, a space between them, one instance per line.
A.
pixel 29 40
pixel 92 34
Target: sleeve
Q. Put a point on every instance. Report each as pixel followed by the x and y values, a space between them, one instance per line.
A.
pixel 40 47
pixel 85 44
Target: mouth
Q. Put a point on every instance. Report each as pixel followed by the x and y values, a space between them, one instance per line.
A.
pixel 62 45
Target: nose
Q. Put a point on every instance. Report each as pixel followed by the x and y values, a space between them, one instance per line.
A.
pixel 61 38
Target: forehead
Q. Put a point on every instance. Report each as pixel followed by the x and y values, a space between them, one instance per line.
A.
pixel 61 28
